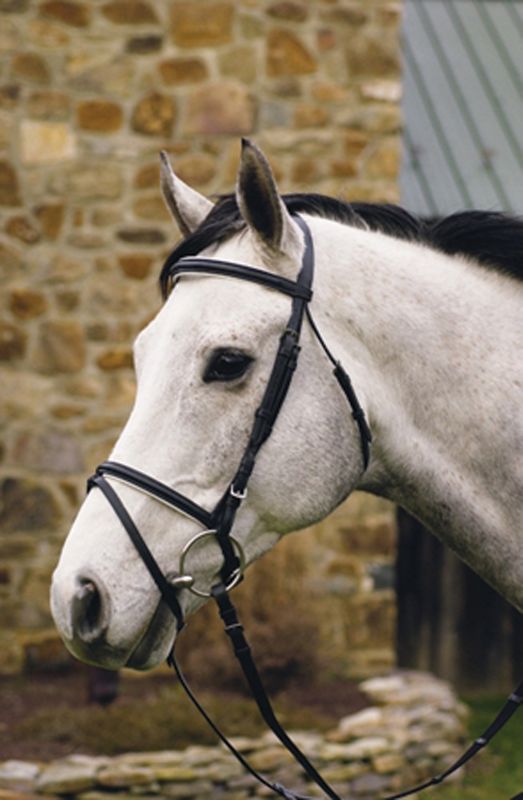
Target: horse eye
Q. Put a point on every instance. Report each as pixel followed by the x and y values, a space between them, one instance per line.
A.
pixel 226 365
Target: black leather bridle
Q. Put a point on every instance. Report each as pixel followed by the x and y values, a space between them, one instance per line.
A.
pixel 218 523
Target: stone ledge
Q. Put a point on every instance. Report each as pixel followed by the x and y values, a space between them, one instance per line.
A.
pixel 414 730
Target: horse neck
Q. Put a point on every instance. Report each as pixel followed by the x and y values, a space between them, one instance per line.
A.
pixel 431 342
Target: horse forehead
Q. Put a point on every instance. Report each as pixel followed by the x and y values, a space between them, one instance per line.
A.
pixel 214 306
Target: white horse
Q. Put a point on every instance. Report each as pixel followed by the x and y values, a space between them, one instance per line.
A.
pixel 432 340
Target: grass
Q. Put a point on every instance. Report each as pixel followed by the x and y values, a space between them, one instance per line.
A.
pixel 497 772
pixel 160 722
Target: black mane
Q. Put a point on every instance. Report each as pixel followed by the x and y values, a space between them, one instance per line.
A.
pixel 490 238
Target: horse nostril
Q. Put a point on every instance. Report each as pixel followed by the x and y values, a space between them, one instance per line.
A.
pixel 89 611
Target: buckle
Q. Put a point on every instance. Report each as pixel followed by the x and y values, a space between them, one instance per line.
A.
pixel 238 495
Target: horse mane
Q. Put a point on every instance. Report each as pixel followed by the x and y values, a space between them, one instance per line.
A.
pixel 492 239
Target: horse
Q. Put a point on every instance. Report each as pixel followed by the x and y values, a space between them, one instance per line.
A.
pixel 426 318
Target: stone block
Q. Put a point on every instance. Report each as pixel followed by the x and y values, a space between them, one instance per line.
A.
pixel 30 67
pixel 42 142
pixel 115 359
pixel 130 12
pixel 205 24
pixel 123 775
pixel 48 34
pixel 151 236
pixel 13 342
pixel 27 303
pixel 152 208
pixel 48 104
pixel 26 506
pixel 136 265
pixel 9 187
pixel 19 774
pixel 179 71
pixel 373 54
pixel 99 116
pixel 60 347
pixel 239 63
pixel 196 170
pixel 52 451
pixel 51 217
pixel 69 13
pixel 144 45
pixel 22 228
pixel 309 115
pixel 220 108
pixel 154 115
pixel 94 181
pixel 61 777
pixel 288 10
pixel 287 55
pixel 384 161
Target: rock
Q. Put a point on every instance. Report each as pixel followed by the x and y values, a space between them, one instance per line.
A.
pixel 50 217
pixel 388 763
pixel 115 359
pixel 372 785
pixel 123 775
pixel 48 104
pixel 289 10
pixel 75 14
pixel 27 303
pixel 23 228
pixel 60 347
pixel 287 55
pixel 152 208
pixel 384 161
pixel 142 236
pixel 308 115
pixel 239 63
pixel 94 181
pixel 180 71
pixel 63 777
pixel 130 12
pixel 50 451
pixel 13 342
pixel 269 759
pixel 9 188
pixel 21 775
pixel 26 505
pixel 30 67
pixel 45 142
pixel 137 266
pixel 154 115
pixel 196 170
pixel 99 116
pixel 143 45
pixel 220 108
pixel 363 723
pixel 366 747
pixel 205 24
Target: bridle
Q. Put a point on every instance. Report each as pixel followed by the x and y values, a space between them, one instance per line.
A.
pixel 219 522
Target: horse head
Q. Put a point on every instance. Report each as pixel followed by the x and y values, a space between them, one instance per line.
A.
pixel 202 366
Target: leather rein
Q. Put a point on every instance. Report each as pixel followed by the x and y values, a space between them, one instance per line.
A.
pixel 218 523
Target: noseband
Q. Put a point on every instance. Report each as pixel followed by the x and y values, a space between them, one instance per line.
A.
pixel 219 522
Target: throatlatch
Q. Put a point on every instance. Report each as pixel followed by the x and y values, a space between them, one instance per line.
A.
pixel 218 523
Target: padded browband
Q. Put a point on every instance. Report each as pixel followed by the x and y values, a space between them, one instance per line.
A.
pixel 211 266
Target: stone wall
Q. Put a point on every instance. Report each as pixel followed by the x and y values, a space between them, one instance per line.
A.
pixel 89 93
pixel 413 730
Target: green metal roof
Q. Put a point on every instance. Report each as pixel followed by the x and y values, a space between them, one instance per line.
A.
pixel 462 105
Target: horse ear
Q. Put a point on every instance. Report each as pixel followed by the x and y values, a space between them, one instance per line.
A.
pixel 188 207
pixel 261 205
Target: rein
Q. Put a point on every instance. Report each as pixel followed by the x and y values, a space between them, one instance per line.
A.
pixel 218 523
